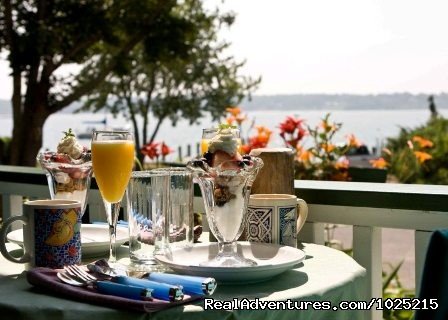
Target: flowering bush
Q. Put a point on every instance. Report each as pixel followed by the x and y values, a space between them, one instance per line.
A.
pixel 258 140
pixel 235 115
pixel 154 150
pixel 418 155
pixel 323 160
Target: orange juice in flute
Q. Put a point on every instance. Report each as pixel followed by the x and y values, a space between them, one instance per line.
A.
pixel 209 133
pixel 112 160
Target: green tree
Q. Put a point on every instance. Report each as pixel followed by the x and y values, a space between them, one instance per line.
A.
pixel 170 87
pixel 43 36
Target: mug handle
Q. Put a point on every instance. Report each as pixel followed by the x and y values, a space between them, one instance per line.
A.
pixel 302 213
pixel 23 259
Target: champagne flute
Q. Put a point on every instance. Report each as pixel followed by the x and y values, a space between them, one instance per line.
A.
pixel 209 133
pixel 112 160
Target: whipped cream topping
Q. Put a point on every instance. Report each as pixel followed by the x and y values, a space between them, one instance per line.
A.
pixel 70 146
pixel 62 177
pixel 224 141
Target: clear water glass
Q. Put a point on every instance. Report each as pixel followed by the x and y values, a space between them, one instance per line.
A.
pixel 180 213
pixel 148 205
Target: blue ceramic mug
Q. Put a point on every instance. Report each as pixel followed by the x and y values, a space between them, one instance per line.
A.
pixel 51 234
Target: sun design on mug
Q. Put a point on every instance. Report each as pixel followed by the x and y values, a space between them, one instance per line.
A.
pixel 63 229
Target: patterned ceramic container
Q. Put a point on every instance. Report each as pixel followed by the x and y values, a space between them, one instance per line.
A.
pixel 275 218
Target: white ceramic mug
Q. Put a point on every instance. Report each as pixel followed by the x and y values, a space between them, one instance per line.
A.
pixel 51 234
pixel 275 218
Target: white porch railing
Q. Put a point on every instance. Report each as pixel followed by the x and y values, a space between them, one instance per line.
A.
pixel 370 207
pixel 367 206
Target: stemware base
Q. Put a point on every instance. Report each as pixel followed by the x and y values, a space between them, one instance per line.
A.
pixel 152 266
pixel 228 261
pixel 119 267
pixel 228 257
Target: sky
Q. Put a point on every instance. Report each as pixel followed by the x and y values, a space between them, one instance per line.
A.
pixel 335 46
pixel 342 46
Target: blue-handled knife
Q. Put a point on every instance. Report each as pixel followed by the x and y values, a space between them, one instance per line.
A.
pixel 125 291
pixel 190 284
pixel 160 291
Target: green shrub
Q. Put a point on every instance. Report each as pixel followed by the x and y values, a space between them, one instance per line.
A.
pixel 420 155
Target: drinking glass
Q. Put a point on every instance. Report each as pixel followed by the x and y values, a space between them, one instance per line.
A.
pixel 112 159
pixel 148 206
pixel 209 133
pixel 180 216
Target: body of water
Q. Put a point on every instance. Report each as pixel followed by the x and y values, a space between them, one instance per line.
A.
pixel 372 127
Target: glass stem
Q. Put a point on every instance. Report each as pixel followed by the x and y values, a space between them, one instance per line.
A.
pixel 112 212
pixel 226 249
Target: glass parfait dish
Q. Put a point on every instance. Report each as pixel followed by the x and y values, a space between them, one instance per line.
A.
pixel 225 191
pixel 67 178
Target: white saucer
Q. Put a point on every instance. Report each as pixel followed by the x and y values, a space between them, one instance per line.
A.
pixel 94 238
pixel 271 260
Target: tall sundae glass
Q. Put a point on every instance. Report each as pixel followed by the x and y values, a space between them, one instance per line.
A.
pixel 225 178
pixel 68 170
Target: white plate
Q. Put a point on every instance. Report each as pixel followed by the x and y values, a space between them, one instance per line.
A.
pixel 271 260
pixel 94 238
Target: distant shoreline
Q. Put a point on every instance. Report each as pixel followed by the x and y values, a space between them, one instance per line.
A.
pixel 318 102
pixel 394 101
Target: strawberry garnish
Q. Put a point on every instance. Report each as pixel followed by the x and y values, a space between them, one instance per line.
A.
pixel 225 160
pixel 61 158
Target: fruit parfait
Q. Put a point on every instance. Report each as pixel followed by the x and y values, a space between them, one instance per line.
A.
pixel 68 170
pixel 225 178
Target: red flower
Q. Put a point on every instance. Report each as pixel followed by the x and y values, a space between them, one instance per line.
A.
pixel 255 143
pixel 292 131
pixel 164 149
pixel 290 125
pixel 151 150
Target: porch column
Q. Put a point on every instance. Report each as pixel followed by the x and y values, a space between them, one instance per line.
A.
pixel 367 252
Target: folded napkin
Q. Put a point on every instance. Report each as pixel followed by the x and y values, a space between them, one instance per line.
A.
pixel 434 283
pixel 46 278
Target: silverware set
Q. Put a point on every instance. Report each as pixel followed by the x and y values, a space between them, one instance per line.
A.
pixel 162 286
pixel 76 274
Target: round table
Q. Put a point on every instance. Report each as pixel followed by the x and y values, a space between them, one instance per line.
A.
pixel 325 275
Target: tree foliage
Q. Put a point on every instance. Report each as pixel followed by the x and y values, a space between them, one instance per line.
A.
pixel 42 37
pixel 177 83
